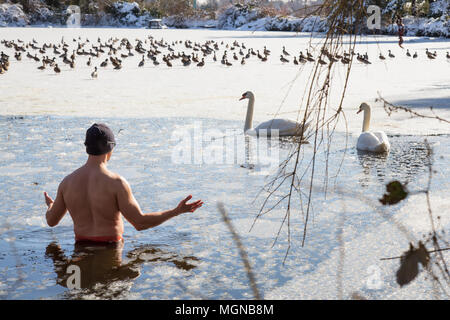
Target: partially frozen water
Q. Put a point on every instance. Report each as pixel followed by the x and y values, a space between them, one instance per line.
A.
pixel 42 125
pixel 193 256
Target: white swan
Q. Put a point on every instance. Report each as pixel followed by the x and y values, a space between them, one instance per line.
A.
pixel 285 127
pixel 371 141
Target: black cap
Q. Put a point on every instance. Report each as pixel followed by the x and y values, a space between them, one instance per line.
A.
pixel 99 139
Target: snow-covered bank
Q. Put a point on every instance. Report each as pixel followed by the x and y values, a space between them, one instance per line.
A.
pixel 129 14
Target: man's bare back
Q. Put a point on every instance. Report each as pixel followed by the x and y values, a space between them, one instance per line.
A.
pixel 96 198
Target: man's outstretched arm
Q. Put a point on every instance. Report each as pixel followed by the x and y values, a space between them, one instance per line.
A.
pixel 130 209
pixel 56 209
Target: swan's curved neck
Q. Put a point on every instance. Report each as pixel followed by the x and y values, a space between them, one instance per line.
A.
pixel 249 117
pixel 366 121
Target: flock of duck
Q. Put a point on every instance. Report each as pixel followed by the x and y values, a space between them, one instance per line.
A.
pixel 188 52
pixel 163 52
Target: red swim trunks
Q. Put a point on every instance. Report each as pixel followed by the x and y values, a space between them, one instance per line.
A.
pixel 107 239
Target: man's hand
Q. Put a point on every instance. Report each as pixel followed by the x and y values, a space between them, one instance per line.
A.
pixel 48 199
pixel 183 206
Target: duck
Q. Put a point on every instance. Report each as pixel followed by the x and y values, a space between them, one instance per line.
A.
pixel 377 141
pixel 407 53
pixel 345 60
pixel 322 62
pixel 431 55
pixel 391 55
pixel 94 73
pixel 415 55
pixel 283 59
pixel 56 69
pixel 381 56
pixel 43 66
pixel 141 64
pixel 285 127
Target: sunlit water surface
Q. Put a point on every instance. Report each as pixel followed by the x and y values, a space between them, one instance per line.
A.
pixel 193 255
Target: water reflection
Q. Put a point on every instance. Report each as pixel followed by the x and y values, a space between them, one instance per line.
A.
pixel 372 162
pixel 405 161
pixel 103 273
pixel 262 153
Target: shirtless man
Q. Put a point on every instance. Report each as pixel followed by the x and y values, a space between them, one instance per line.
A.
pixel 96 197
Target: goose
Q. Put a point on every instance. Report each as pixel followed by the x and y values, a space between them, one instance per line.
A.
pixel 371 141
pixel 285 127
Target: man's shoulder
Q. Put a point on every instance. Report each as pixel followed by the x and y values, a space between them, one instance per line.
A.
pixel 116 179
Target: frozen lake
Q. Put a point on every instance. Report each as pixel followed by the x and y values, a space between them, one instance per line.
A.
pixel 43 119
